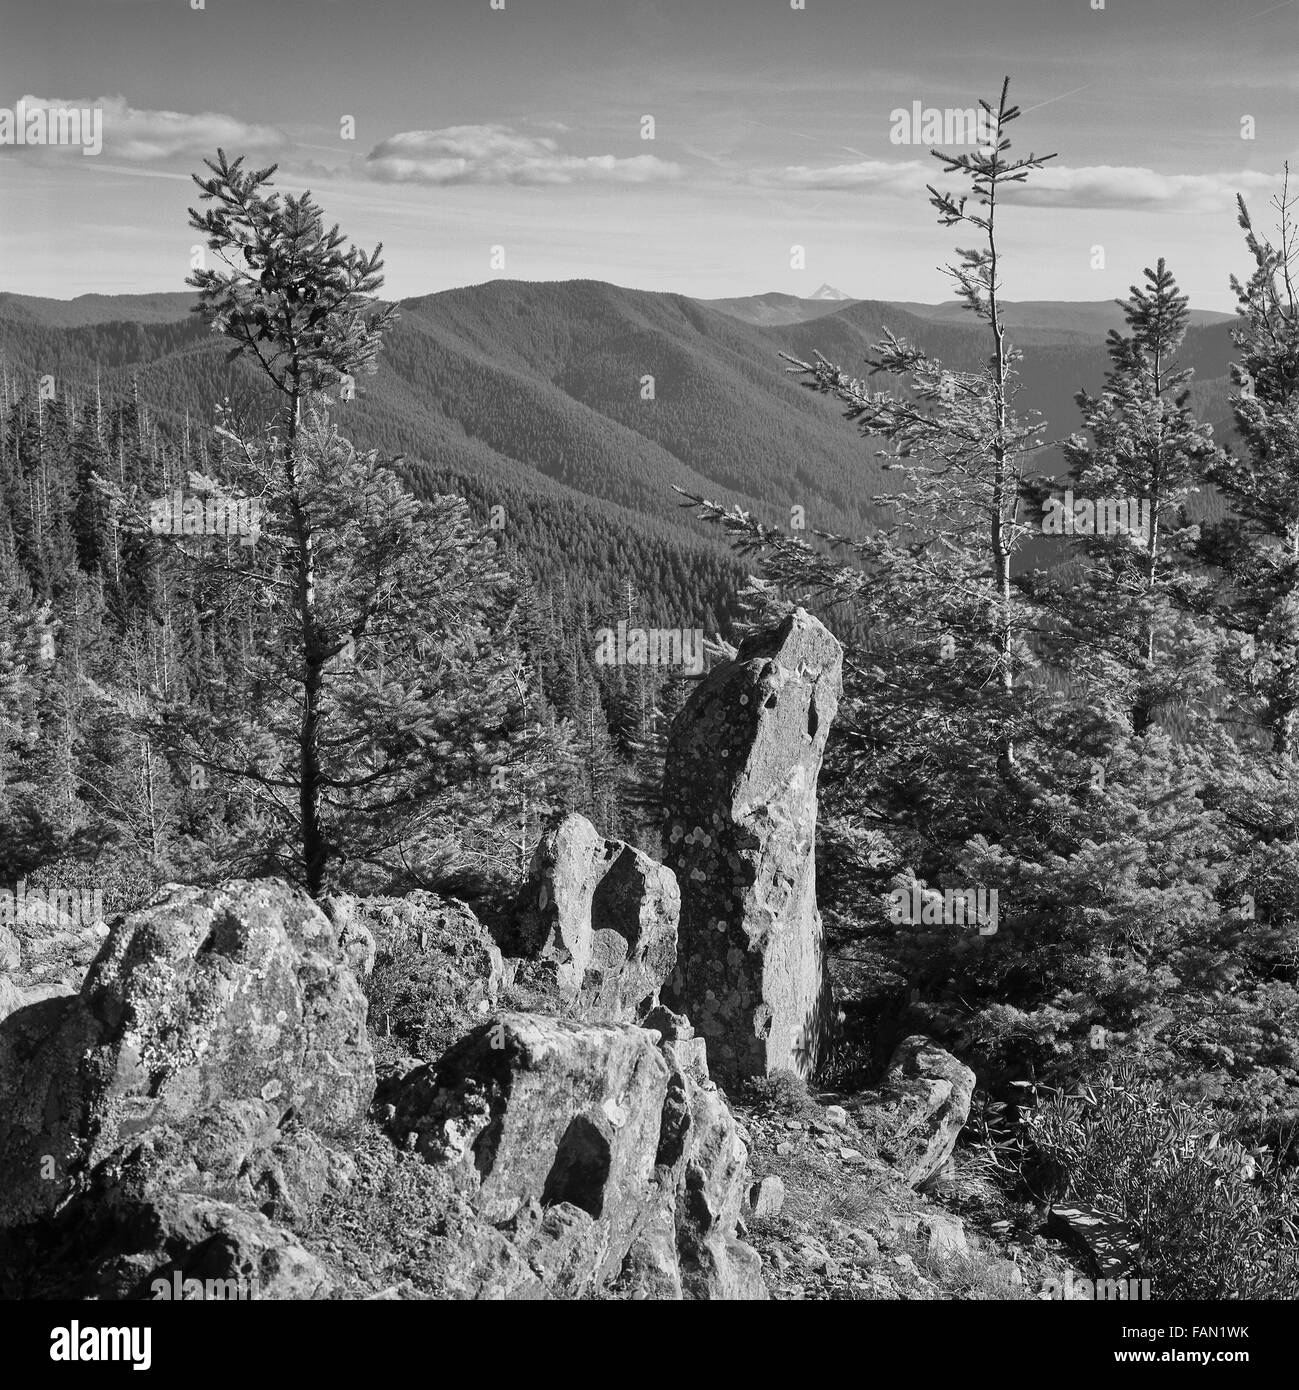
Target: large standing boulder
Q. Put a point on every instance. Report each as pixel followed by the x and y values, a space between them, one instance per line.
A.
pixel 236 993
pixel 740 796
pixel 603 915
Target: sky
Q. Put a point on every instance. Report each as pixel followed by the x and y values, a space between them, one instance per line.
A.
pixel 479 139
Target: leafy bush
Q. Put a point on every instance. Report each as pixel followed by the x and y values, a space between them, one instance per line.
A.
pixel 780 1093
pixel 126 883
pixel 1213 1218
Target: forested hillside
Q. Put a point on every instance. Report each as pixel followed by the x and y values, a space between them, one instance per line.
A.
pixel 565 414
pixel 529 397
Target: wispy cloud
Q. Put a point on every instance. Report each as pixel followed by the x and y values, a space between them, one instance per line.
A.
pixel 141 136
pixel 497 154
pixel 1117 186
pixel 1055 186
pixel 903 177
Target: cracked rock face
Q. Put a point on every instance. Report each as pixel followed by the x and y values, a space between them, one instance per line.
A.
pixel 603 916
pixel 235 993
pixel 740 796
pixel 931 1091
pixel 536 1109
pixel 581 1154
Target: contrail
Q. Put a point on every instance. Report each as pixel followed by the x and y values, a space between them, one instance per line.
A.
pixel 1271 9
pixel 1026 109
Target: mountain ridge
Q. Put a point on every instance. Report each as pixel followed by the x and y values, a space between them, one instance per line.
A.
pixel 580 404
pixel 772 306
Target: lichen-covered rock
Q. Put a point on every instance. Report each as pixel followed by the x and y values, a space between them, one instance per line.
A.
pixel 740 795
pixel 176 1204
pixel 247 1149
pixel 541 1253
pixel 120 1246
pixel 530 1108
pixel 49 937
pixel 605 914
pixel 585 1153
pixel 236 993
pixel 929 1092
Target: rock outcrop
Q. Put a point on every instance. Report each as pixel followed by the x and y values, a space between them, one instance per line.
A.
pixel 196 1103
pixel 704 1163
pixel 48 939
pixel 928 1092
pixel 115 1245
pixel 237 993
pixel 740 798
pixel 602 917
pixel 594 1151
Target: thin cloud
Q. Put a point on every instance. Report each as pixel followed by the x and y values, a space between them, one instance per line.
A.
pixel 142 136
pixel 496 154
pixel 878 175
pixel 1124 187
pixel 1117 187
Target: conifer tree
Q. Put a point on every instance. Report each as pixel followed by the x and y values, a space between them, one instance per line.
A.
pixel 962 452
pixel 1257 547
pixel 1127 636
pixel 374 724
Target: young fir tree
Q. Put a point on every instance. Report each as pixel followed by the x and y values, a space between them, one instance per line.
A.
pixel 962 453
pixel 1253 593
pixel 1127 640
pixel 1257 547
pixel 375 723
pixel 936 689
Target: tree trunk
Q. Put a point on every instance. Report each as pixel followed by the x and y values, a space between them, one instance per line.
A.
pixel 315 848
